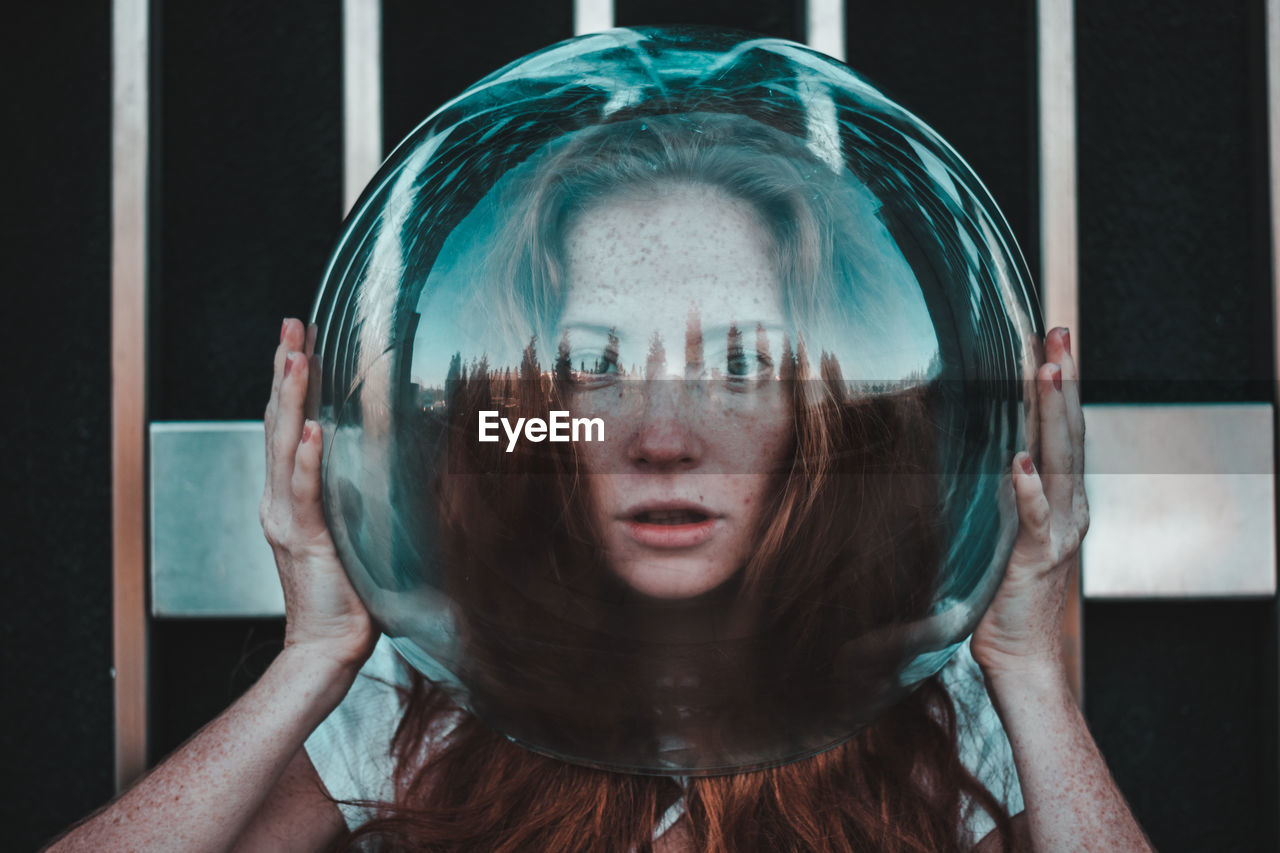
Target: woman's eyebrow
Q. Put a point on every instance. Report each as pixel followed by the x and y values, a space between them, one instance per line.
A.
pixel 745 329
pixel 602 329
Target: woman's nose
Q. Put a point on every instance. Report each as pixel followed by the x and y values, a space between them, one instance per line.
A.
pixel 664 436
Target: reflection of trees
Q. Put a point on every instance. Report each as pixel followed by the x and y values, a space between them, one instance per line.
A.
pixel 792 363
pixel 734 353
pixel 693 340
pixel 656 359
pixel 563 365
pixel 527 383
pixel 762 345
pixel 738 347
pixel 512 386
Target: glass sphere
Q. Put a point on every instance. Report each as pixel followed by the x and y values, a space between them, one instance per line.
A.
pixel 670 381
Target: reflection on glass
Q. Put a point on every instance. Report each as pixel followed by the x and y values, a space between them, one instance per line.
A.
pixel 667 427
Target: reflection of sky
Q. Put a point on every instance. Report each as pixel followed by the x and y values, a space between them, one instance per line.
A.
pixel 879 331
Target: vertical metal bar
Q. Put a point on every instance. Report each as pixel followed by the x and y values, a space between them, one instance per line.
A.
pixel 1272 52
pixel 1055 61
pixel 1271 49
pixel 824 26
pixel 1055 68
pixel 592 16
pixel 361 96
pixel 129 109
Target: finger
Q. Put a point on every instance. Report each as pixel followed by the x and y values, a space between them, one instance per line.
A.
pixel 1055 440
pixel 287 431
pixel 269 414
pixel 291 339
pixel 1059 350
pixel 306 478
pixel 277 371
pixel 1033 506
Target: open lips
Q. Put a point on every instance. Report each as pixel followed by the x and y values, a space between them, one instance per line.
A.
pixel 671 525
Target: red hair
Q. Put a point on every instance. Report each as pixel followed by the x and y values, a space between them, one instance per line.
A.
pixel 898 785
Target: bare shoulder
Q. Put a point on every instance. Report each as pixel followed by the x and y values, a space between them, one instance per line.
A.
pixel 1021 838
pixel 296 816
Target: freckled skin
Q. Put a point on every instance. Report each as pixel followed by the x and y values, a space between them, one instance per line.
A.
pixel 681 265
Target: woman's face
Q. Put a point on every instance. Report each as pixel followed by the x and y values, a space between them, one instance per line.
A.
pixel 674 322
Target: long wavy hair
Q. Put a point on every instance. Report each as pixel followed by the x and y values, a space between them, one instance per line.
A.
pixel 848 551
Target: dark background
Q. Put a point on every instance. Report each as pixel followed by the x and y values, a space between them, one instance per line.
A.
pixel 1175 306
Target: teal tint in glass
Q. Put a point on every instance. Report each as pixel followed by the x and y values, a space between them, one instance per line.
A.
pixel 670 381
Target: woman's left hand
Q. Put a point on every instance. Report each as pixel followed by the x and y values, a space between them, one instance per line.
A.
pixel 1021 631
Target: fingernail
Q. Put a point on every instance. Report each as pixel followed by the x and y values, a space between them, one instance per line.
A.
pixel 1066 339
pixel 1028 467
pixel 288 363
pixel 1057 379
pixel 306 431
pixel 284 326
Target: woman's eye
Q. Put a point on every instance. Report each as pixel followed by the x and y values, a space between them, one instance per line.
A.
pixel 743 366
pixel 594 369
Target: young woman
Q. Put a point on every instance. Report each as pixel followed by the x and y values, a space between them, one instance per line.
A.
pixel 677 273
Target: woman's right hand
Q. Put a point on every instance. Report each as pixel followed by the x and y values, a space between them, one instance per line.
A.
pixel 323 615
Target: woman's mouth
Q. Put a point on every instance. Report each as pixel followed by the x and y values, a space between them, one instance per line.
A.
pixel 671 527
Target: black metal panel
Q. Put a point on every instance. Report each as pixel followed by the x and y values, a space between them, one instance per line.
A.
pixel 778 18
pixel 1176 307
pixel 250 133
pixel 432 51
pixel 1181 700
pixel 55 611
pixel 1174 285
pixel 968 70
pixel 199 667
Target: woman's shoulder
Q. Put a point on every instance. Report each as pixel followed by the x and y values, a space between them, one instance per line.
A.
pixel 352 748
pixel 982 741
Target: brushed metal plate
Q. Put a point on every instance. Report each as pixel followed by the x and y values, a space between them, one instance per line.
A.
pixel 1182 501
pixel 209 557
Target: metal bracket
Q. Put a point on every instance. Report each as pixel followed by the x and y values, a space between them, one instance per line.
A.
pixel 1182 501
pixel 208 554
